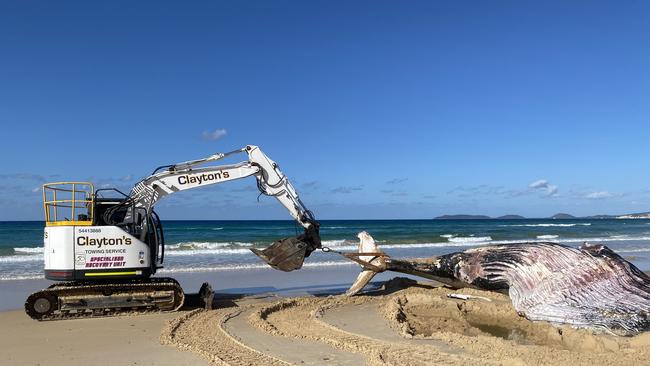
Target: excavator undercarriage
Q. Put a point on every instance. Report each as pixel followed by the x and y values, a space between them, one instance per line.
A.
pixel 85 300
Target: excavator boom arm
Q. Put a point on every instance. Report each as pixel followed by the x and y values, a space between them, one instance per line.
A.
pixel 286 254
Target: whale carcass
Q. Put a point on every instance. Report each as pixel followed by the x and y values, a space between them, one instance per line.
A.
pixel 587 287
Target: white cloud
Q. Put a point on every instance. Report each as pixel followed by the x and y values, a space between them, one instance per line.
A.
pixel 214 135
pixel 599 195
pixel 26 176
pixel 552 190
pixel 543 185
pixel 397 181
pixel 346 190
pixel 311 185
pixel 37 189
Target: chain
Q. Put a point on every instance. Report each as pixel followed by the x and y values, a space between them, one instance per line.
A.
pixel 355 258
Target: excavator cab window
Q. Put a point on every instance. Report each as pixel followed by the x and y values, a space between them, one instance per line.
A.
pixel 105 199
pixel 156 240
pixel 118 209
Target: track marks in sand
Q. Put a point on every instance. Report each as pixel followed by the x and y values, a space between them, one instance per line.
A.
pixel 366 319
pixel 412 326
pixel 301 318
pixel 202 332
pixel 311 352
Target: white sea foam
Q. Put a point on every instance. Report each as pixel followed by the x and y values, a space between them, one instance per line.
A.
pixel 447 236
pixel 196 245
pixel 469 239
pixel 186 249
pixel 513 241
pixel 605 239
pixel 436 245
pixel 249 266
pixel 548 225
pixel 335 243
pixel 350 246
pixel 21 258
pixel 632 250
pixel 224 251
pixel 20 277
pixel 28 250
pixel 180 267
pixel 546 237
pixel 193 245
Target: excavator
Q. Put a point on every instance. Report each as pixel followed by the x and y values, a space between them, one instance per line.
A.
pixel 104 246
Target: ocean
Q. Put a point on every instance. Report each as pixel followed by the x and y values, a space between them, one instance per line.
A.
pixel 208 246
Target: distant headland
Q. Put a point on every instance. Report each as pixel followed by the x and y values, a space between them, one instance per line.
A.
pixel 558 216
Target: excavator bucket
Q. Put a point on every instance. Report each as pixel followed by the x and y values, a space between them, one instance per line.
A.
pixel 288 254
pixel 285 254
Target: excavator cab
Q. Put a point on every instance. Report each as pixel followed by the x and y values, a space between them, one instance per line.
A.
pixel 111 206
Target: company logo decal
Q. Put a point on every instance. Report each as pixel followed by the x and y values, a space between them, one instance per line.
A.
pixel 100 242
pixel 200 179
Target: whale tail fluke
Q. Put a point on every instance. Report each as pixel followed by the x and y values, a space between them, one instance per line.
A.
pixel 371 264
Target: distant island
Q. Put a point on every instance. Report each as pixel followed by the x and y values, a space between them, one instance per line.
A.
pixel 558 216
pixel 563 216
pixel 510 217
pixel 462 217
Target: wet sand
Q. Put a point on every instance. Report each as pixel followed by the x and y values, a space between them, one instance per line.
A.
pixel 307 281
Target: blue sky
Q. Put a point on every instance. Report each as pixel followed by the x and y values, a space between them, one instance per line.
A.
pixel 381 109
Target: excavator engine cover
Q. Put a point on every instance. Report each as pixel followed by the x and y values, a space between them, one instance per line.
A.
pixel 288 254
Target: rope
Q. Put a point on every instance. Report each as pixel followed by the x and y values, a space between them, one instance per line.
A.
pixel 355 258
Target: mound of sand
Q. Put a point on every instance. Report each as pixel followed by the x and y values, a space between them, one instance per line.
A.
pixel 417 325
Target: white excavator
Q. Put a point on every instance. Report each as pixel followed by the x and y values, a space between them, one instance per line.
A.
pixel 107 249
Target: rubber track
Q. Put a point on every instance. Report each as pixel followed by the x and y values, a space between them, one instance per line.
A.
pixel 81 288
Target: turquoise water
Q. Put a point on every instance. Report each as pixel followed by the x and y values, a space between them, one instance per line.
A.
pixel 224 245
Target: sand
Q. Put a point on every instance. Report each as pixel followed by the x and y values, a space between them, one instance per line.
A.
pixel 416 325
pixel 83 342
pixel 404 323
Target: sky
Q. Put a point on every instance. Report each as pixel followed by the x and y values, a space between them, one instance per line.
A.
pixel 373 109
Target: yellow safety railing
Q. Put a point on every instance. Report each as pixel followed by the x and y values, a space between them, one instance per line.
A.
pixel 69 203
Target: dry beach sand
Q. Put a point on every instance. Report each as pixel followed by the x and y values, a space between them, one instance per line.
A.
pixel 102 341
pixel 404 323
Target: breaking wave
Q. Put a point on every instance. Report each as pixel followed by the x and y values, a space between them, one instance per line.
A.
pixel 546 237
pixel 193 245
pixel 548 225
pixel 241 250
pixel 470 239
pixel 633 250
pixel 21 277
pixel 21 258
pixel 250 266
pixel 29 250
